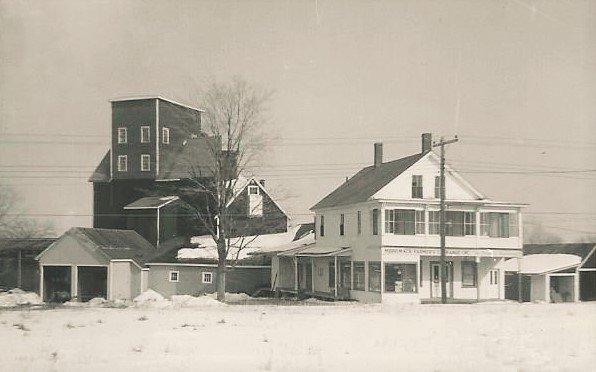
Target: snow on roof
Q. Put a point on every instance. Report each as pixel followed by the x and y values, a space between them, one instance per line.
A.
pixel 240 247
pixel 151 202
pixel 541 263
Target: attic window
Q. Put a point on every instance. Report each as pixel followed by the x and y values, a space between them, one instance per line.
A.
pixel 417 186
pixel 253 190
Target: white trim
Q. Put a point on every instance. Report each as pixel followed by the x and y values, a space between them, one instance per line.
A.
pixel 165 130
pixel 125 157
pixel 263 190
pixel 563 274
pixel 203 277
pixel 177 276
pixel 149 96
pixel 148 128
pixel 125 131
pixel 148 158
pixel 157 137
pixel 587 269
pixel 208 265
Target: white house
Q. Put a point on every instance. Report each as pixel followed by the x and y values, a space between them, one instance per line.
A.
pixel 377 236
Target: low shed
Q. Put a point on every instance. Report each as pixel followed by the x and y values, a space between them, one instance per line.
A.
pixel 88 262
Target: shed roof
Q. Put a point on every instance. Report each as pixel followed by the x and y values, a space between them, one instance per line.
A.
pixel 24 244
pixel 579 249
pixel 103 171
pixel 367 182
pixel 151 202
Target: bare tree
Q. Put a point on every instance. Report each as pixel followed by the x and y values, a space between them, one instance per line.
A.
pixel 13 223
pixel 536 233
pixel 234 118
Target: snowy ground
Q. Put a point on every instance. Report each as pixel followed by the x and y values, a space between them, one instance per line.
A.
pixel 488 336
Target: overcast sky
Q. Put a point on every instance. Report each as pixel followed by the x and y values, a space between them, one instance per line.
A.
pixel 516 80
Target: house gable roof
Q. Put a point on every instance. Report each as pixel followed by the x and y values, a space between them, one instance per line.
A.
pixel 367 182
pixel 242 183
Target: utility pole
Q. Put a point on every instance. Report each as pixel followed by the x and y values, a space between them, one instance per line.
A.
pixel 442 144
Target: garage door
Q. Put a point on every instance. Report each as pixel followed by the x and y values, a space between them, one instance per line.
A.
pixel 92 282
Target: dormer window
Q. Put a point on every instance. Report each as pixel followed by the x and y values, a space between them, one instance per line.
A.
pixel 417 186
pixel 122 135
pixel 165 135
pixel 145 134
pixel 122 163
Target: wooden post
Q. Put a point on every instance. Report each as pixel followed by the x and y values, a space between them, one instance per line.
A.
pixel 19 270
pixel 576 286
pixel 312 269
pixel 296 274
pixel 41 294
pixel 335 268
pixel 74 282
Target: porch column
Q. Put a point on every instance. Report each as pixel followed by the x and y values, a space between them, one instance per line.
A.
pixel 312 270
pixel 478 281
pixel 295 273
pixel 576 285
pixel 335 268
pixel 547 288
pixel 74 281
pixel 41 281
pixel 19 270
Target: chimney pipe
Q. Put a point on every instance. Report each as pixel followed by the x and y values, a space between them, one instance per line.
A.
pixel 262 182
pixel 427 142
pixel 378 154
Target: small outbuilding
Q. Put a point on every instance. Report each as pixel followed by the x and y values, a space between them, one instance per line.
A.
pixel 88 262
pixel 553 273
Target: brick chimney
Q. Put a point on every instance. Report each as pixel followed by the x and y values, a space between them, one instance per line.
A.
pixel 262 182
pixel 427 142
pixel 378 154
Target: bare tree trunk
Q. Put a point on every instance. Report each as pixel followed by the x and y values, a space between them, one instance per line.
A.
pixel 221 281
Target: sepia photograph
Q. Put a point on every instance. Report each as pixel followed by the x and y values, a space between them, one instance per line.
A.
pixel 297 185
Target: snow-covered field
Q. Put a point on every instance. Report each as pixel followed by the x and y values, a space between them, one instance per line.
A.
pixel 321 336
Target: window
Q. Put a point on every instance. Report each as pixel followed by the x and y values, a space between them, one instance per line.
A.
pixel 417 187
pixel 122 163
pixel 497 225
pixel 359 222
pixel 375 221
pixel 145 134
pixel 494 277
pixel 174 276
pixel 342 221
pixel 437 187
pixel 207 277
pixel 253 190
pixel 122 135
pixel 401 278
pixel 145 163
pixel 468 274
pixel 165 135
pixel 434 222
pixel 420 222
pixel 513 224
pixel 374 276
pixel 359 284
pixel 255 201
pixel 322 226
pixel 400 221
pixel 331 274
pixel 454 223
pixel 469 223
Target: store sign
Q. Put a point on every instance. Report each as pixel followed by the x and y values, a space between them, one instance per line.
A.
pixel 405 253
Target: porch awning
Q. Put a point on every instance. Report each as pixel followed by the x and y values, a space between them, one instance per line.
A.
pixel 315 250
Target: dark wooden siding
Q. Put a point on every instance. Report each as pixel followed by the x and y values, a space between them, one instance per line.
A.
pixel 133 115
pixel 183 123
pixel 272 221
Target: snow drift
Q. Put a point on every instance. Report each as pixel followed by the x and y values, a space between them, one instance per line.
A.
pixel 17 297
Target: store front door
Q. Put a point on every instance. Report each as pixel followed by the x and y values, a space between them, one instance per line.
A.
pixel 435 282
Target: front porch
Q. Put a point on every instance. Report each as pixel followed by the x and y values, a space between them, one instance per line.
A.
pixel 315 272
